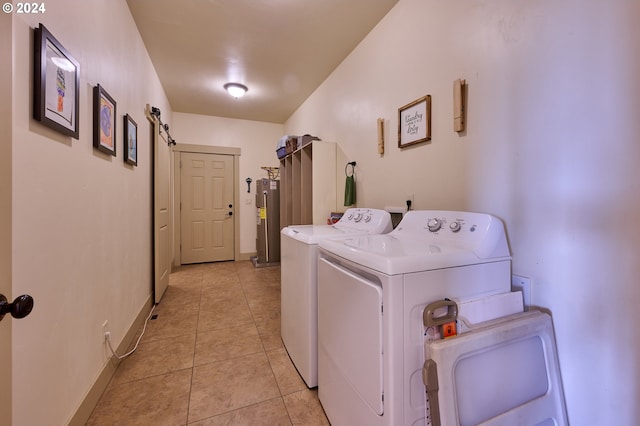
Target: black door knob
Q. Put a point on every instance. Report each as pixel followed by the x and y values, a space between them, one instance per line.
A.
pixel 19 308
pixel 230 213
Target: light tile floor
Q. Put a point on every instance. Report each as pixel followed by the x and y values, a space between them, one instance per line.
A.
pixel 212 357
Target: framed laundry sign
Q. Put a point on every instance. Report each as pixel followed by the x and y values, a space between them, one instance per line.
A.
pixel 414 122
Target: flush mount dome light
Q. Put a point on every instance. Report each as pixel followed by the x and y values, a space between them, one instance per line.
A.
pixel 236 90
pixel 63 63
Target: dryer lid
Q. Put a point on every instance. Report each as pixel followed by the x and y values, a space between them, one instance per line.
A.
pixel 355 221
pixel 311 234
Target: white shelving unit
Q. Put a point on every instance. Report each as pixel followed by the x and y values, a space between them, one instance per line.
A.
pixel 309 187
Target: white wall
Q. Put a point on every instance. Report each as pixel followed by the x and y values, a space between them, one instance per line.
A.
pixel 257 141
pixel 551 148
pixel 81 219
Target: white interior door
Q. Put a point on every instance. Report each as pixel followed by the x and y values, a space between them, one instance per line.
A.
pixel 206 199
pixel 5 350
pixel 161 211
pixel 6 38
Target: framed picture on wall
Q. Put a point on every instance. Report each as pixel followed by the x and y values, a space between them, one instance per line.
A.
pixel 104 121
pixel 414 122
pixel 56 85
pixel 130 140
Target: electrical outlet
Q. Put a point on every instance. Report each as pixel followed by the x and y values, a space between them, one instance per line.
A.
pixel 105 329
pixel 523 284
pixel 409 197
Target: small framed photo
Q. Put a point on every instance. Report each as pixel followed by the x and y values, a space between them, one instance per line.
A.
pixel 130 140
pixel 56 85
pixel 414 122
pixel 104 121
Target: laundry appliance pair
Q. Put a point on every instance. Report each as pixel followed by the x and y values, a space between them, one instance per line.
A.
pixel 380 365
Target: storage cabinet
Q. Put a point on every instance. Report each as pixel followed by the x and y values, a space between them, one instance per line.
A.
pixel 309 184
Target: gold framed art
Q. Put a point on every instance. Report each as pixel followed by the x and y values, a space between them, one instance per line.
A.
pixel 414 122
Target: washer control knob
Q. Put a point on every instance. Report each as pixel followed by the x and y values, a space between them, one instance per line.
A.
pixel 434 224
pixel 358 217
pixel 350 216
pixel 367 218
pixel 455 226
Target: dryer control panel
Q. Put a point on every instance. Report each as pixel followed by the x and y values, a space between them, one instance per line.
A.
pixel 481 233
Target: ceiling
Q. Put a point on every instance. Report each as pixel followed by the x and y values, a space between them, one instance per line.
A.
pixel 282 50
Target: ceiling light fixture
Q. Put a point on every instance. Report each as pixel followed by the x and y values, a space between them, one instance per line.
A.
pixel 63 63
pixel 236 90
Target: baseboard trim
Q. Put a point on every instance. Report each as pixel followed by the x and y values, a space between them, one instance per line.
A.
pixel 247 256
pixel 92 397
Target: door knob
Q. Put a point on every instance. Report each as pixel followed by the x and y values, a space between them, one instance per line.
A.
pixel 19 308
pixel 230 213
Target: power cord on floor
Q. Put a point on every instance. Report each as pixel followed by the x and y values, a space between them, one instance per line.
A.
pixel 107 337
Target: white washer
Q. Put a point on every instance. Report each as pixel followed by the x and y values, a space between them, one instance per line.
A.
pixel 298 263
pixel 371 294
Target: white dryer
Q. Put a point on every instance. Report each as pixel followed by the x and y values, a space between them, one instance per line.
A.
pixel 298 263
pixel 372 291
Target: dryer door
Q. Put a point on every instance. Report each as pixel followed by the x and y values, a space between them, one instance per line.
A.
pixel 349 340
pixel 503 374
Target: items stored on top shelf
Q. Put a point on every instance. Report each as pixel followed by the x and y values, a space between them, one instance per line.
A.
pixel 289 143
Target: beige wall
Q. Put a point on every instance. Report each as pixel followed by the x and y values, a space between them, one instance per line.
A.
pixel 81 219
pixel 551 148
pixel 257 141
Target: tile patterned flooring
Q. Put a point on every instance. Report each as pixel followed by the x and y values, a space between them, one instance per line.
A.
pixel 212 357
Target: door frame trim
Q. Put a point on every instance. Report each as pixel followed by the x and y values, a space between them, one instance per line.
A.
pixel 204 149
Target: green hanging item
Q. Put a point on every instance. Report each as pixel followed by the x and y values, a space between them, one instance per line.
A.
pixel 350 185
